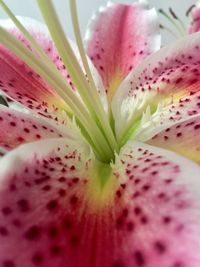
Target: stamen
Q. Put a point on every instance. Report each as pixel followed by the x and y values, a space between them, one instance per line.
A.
pixel 31 40
pixel 23 30
pixel 69 59
pixel 64 48
pixel 173 21
pixel 174 15
pixel 102 116
pixel 163 27
pixel 63 91
pixel 190 10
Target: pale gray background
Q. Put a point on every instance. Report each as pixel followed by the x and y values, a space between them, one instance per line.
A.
pixel 86 8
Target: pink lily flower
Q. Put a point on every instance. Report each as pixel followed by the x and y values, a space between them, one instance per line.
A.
pixel 100 163
pixel 195 14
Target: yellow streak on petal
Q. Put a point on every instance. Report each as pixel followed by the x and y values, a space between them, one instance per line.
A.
pixel 187 150
pixel 55 101
pixel 114 83
pixel 101 187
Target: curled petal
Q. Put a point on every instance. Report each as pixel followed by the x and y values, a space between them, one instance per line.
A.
pixel 165 86
pixel 115 43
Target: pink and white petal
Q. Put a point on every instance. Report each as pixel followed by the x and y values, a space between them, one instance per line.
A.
pixel 182 138
pixel 51 203
pixel 20 82
pixel 51 206
pixel 42 204
pixel 115 43
pixel 157 210
pixel 41 34
pixel 18 128
pixel 166 82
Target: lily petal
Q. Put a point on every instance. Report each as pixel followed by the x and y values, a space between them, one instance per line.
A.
pixel 114 40
pixel 40 33
pixel 72 222
pixel 20 82
pixel 183 138
pixel 166 83
pixel 18 128
pixel 44 182
pixel 157 208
